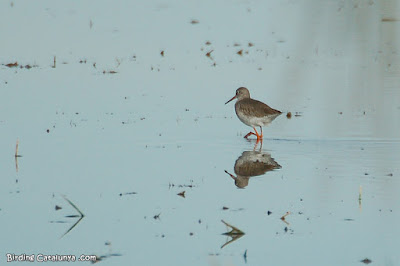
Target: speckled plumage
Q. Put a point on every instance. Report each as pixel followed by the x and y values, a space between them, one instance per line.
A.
pixel 252 112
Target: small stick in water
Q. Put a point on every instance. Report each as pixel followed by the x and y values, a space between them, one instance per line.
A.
pixel 283 218
pixel 16 150
pixel 359 197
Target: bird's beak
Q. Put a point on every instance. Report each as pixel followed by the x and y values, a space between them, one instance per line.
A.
pixel 234 97
pixel 234 177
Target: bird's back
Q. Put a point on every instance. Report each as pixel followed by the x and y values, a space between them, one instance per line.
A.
pixel 254 108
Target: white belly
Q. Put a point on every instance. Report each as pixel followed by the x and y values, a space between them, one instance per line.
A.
pixel 252 121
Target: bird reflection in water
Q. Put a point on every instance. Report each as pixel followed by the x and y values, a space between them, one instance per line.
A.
pixel 252 163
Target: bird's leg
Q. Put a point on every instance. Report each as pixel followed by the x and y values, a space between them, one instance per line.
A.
pixel 259 137
pixel 249 134
pixel 255 146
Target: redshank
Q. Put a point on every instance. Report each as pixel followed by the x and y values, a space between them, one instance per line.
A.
pixel 252 112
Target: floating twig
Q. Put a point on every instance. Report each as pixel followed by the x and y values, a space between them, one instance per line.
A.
pixel 283 218
pixel 209 54
pixel 235 233
pixel 16 149
pixel 73 205
pixel 81 215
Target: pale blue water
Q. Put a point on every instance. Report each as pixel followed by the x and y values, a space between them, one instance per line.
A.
pixel 159 127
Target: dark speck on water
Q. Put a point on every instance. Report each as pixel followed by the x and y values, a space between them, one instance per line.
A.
pixel 366 261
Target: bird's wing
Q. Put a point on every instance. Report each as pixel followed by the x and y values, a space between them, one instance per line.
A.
pixel 251 107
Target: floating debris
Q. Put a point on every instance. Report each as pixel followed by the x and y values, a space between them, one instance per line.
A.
pixel 208 43
pixel 109 72
pixel 101 258
pixel 269 212
pixel 366 261
pixel 16 150
pixel 251 44
pixel 12 64
pixel 194 21
pixel 127 193
pixel 80 216
pixel 240 52
pixel 283 218
pixel 225 208
pixel 182 194
pixel 57 208
pixel 245 256
pixel 297 114
pixel 157 216
pixel 289 115
pixel 162 53
pixel 389 20
pixel 235 233
pixel 209 54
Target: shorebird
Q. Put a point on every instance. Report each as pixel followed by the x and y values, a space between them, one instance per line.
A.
pixel 252 112
pixel 252 163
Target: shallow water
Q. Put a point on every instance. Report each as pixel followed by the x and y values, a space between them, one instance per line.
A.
pixel 121 146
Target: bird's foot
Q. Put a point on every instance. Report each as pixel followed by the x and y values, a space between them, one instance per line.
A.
pixel 249 134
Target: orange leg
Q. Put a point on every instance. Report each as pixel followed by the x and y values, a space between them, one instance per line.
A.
pixel 249 134
pixel 259 136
